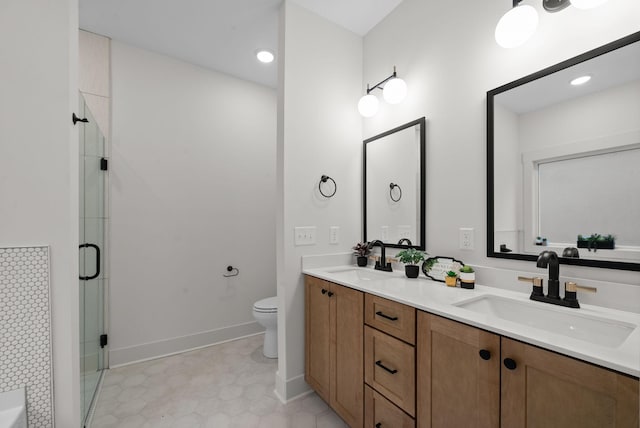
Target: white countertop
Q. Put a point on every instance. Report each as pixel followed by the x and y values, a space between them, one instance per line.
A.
pixel 436 298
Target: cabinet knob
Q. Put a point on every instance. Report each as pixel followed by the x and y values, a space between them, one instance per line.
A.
pixel 510 363
pixel 324 291
pixel 485 354
pixel 379 425
pixel 330 293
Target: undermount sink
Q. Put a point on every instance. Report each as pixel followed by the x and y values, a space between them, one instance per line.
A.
pixel 581 326
pixel 363 274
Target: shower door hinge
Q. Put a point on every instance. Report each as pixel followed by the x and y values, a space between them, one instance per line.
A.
pixel 103 340
pixel 104 163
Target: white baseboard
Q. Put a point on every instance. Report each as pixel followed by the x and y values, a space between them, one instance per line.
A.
pixel 291 389
pixel 176 345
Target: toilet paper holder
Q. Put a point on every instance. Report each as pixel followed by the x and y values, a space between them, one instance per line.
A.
pixel 232 272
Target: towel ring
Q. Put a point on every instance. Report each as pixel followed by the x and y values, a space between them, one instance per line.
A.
pixel 391 186
pixel 324 179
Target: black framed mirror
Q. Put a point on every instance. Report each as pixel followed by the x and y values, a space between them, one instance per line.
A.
pixel 562 161
pixel 393 179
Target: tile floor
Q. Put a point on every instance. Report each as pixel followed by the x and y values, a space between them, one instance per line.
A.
pixel 226 385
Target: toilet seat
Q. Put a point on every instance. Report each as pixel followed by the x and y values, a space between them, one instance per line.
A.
pixel 266 306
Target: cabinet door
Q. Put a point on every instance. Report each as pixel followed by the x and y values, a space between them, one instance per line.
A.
pixel 317 335
pixel 457 385
pixel 347 373
pixel 543 389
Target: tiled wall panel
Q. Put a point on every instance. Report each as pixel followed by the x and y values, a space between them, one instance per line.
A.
pixel 25 329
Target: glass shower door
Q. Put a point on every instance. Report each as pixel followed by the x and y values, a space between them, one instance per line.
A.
pixel 91 252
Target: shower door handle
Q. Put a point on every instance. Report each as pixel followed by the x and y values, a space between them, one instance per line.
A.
pixel 86 278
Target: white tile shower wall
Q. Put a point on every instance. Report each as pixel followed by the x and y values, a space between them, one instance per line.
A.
pixel 25 329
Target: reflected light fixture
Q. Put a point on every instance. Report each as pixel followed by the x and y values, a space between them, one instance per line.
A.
pixel 580 80
pixel 394 91
pixel 520 23
pixel 265 56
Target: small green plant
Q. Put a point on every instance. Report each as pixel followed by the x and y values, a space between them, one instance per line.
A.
pixel 361 249
pixel 466 269
pixel 452 274
pixel 410 256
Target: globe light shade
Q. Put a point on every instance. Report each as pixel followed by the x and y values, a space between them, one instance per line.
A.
pixel 516 26
pixel 368 105
pixel 395 91
pixel 587 4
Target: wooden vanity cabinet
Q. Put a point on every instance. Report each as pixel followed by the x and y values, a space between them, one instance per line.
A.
pixel 544 389
pixel 468 377
pixel 334 347
pixel 458 375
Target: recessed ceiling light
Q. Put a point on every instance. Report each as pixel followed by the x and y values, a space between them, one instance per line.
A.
pixel 580 80
pixel 265 56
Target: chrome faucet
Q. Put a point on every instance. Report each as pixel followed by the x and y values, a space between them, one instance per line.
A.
pixel 382 263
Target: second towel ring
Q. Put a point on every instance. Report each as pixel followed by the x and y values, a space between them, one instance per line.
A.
pixel 391 187
pixel 324 179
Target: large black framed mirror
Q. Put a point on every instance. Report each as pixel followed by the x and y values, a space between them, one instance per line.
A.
pixel 562 161
pixel 393 179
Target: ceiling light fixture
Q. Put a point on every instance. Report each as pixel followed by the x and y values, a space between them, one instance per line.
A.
pixel 265 56
pixel 520 23
pixel 394 91
pixel 580 80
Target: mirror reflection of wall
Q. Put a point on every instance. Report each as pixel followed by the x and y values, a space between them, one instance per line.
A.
pixel 566 157
pixel 393 213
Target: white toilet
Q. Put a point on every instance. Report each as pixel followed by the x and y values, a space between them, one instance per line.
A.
pixel 265 311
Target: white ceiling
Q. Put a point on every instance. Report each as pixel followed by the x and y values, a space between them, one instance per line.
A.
pixel 221 35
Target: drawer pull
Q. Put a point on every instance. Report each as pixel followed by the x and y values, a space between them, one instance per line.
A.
pixel 330 293
pixel 485 354
pixel 324 291
pixel 379 425
pixel 379 364
pixel 379 313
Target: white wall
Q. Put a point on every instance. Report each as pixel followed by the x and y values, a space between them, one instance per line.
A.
pixel 319 132
pixel 39 165
pixel 193 190
pixel 449 58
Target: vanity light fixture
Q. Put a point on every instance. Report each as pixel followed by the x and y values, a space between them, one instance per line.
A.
pixel 394 91
pixel 265 56
pixel 580 80
pixel 520 23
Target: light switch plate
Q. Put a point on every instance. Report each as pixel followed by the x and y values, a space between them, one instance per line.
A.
pixel 334 235
pixel 305 235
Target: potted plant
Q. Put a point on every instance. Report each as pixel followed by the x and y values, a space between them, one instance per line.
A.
pixel 361 250
pixel 596 242
pixel 467 277
pixel 451 278
pixel 410 257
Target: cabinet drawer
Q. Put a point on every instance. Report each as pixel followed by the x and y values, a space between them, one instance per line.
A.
pixel 391 317
pixel 389 368
pixel 382 413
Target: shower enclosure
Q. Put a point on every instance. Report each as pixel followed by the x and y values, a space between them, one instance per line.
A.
pixel 92 281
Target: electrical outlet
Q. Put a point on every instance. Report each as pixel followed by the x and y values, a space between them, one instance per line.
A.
pixel 305 235
pixel 466 238
pixel 334 234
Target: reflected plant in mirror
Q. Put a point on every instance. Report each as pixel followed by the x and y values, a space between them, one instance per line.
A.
pixel 562 159
pixel 393 186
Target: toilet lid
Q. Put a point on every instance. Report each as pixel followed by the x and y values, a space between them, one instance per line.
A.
pixel 269 304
